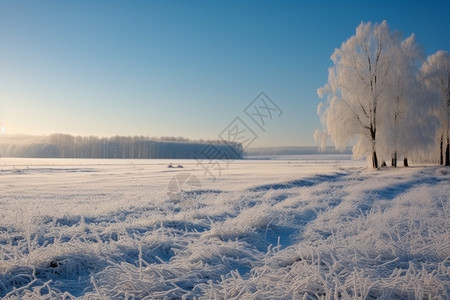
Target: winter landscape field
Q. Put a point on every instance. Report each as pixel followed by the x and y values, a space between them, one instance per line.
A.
pixel 310 227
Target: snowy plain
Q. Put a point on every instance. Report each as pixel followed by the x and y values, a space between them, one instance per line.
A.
pixel 311 227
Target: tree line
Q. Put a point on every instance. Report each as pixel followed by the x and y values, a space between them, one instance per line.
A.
pixel 387 99
pixel 124 147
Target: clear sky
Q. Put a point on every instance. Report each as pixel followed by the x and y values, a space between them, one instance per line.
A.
pixel 182 68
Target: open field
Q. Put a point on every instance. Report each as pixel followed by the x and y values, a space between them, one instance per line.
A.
pixel 314 227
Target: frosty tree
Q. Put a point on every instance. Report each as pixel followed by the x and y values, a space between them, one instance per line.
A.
pixel 375 98
pixel 436 75
pixel 356 85
pixel 407 125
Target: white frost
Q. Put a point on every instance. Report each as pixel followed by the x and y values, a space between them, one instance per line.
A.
pixel 298 229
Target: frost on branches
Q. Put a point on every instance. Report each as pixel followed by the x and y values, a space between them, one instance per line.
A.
pixel 379 98
pixel 436 75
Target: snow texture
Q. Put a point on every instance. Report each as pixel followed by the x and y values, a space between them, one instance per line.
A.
pixel 265 229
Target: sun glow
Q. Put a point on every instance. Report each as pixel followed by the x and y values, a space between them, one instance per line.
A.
pixel 2 129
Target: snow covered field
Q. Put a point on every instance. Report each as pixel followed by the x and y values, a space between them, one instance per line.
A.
pixel 265 229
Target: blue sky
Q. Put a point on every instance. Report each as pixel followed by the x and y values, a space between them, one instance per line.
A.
pixel 182 68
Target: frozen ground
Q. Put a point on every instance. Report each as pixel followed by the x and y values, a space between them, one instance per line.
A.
pixel 265 229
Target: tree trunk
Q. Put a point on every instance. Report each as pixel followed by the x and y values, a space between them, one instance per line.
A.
pixel 442 150
pixel 394 163
pixel 405 162
pixel 394 160
pixel 374 160
pixel 373 134
pixel 447 153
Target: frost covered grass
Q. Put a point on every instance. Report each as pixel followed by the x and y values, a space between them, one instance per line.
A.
pixel 310 229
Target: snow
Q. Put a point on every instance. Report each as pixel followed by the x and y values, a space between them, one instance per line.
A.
pixel 296 228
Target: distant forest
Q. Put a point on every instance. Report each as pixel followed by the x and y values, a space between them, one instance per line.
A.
pixel 304 150
pixel 138 147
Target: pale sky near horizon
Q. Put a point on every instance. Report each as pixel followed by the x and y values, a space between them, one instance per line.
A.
pixel 183 68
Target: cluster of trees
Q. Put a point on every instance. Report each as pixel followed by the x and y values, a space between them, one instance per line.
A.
pixel 68 146
pixel 387 99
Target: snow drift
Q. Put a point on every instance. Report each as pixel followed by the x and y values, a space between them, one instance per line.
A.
pixel 264 230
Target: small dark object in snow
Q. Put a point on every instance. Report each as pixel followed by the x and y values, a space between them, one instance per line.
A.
pixel 114 236
pixel 172 166
pixel 53 264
